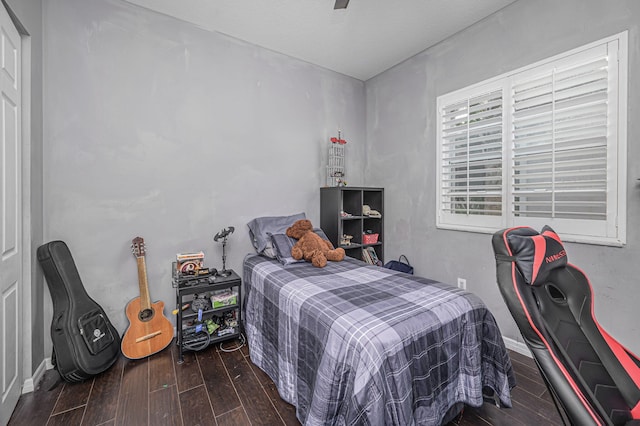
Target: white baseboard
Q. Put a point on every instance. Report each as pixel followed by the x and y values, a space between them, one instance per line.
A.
pixel 30 384
pixel 516 346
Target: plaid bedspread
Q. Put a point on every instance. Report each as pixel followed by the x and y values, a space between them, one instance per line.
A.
pixel 357 344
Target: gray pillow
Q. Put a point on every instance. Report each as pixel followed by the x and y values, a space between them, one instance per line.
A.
pixel 282 245
pixel 260 227
pixel 321 234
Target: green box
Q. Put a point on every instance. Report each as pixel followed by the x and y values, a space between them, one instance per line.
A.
pixel 225 299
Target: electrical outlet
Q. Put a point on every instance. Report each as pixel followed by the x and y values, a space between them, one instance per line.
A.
pixel 462 283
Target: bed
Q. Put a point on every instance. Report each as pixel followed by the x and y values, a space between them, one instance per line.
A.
pixel 353 343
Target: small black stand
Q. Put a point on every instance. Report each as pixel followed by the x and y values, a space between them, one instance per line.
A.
pixel 186 287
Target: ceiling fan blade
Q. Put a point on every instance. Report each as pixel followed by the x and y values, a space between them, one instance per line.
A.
pixel 341 4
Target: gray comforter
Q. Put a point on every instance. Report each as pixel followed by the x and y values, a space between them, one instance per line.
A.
pixel 357 344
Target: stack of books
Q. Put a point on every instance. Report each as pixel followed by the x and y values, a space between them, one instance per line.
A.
pixel 369 255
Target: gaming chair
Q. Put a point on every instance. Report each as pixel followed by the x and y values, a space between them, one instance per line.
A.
pixel 592 378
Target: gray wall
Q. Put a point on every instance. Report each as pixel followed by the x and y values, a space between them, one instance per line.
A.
pixel 401 150
pixel 156 128
pixel 29 16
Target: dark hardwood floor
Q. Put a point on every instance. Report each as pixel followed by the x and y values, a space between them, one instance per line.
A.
pixel 213 387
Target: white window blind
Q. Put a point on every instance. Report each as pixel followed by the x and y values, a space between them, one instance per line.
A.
pixel 560 142
pixel 541 145
pixel 471 155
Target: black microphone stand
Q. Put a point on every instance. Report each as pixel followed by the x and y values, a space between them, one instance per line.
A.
pixel 224 234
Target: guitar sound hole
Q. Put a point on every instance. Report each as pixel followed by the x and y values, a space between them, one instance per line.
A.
pixel 145 314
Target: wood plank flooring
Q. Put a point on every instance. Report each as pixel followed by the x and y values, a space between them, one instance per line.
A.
pixel 213 387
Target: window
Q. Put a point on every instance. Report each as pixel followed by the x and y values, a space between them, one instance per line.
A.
pixel 545 144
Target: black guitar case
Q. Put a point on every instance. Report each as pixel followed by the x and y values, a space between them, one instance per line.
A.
pixel 85 343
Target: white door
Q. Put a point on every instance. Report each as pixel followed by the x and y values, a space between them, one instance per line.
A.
pixel 10 218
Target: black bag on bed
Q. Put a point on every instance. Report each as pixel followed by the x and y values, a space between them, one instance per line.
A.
pixel 399 265
pixel 85 343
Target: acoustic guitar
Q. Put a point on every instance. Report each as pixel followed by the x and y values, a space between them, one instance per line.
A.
pixel 149 330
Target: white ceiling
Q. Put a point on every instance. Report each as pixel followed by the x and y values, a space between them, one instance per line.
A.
pixel 368 37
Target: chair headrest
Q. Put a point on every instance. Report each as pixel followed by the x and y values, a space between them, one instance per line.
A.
pixel 536 254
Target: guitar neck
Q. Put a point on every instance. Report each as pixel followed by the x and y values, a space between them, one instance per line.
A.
pixel 145 300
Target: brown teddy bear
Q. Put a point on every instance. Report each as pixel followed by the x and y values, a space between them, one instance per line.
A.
pixel 311 247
